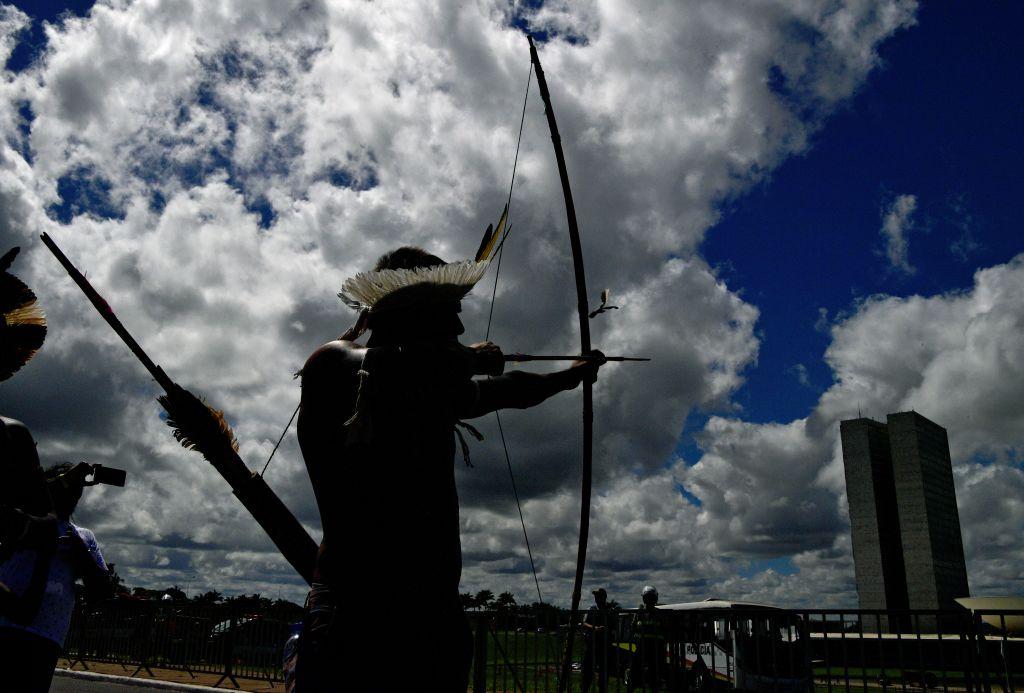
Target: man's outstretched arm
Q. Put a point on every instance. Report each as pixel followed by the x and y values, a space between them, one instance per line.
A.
pixel 521 390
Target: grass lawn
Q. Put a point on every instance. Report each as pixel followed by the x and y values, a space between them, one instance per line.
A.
pixel 535 659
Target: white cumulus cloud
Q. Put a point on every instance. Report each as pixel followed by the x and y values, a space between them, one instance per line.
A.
pixel 897 221
pixel 218 169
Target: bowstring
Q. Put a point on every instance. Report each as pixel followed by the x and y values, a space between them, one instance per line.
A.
pixel 283 434
pixel 490 316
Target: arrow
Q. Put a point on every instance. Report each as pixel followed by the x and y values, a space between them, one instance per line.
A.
pixel 530 357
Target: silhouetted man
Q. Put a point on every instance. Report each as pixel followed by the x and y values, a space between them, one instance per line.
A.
pixel 378 428
pixel 597 655
pixel 649 632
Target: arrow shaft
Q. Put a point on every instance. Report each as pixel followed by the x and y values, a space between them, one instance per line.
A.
pixel 532 357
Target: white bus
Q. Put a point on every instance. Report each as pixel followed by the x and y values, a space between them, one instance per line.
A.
pixel 732 645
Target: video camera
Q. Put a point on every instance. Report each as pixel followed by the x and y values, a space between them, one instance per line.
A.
pixel 87 474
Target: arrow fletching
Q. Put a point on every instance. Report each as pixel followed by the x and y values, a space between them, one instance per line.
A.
pixel 484 242
pixel 491 238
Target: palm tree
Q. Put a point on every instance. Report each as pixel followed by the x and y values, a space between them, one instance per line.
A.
pixel 176 593
pixel 211 597
pixel 483 599
pixel 506 601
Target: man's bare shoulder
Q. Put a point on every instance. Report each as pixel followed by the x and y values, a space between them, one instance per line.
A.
pixel 15 439
pixel 15 430
pixel 334 359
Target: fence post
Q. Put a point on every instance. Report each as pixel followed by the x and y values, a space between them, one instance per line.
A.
pixel 229 650
pixel 971 635
pixel 77 636
pixel 145 635
pixel 479 656
pixel 804 635
pixel 983 657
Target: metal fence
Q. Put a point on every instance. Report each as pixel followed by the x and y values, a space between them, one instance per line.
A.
pixel 824 651
pixel 218 639
pixel 698 650
pixel 948 651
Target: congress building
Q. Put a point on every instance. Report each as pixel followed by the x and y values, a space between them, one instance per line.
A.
pixel 907 548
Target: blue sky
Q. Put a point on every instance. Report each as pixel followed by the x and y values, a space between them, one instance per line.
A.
pixel 33 40
pixel 940 120
pixel 219 173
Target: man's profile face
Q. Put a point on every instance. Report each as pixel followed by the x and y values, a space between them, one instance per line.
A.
pixel 456 322
pixel 433 321
pixel 441 320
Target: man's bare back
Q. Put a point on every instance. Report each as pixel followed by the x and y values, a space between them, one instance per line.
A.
pixel 377 428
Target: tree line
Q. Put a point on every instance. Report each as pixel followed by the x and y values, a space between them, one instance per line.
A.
pixel 245 603
pixel 484 600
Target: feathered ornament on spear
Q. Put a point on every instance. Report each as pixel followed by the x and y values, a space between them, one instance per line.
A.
pixel 198 426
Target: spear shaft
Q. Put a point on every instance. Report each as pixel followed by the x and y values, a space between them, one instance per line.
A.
pixel 287 533
pixel 107 313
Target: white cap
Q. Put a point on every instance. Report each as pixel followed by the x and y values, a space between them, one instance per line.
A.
pixel 649 590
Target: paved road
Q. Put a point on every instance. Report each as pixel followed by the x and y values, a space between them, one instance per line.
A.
pixel 80 684
pixel 64 684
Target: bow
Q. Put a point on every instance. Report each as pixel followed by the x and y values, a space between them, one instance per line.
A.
pixel 492 246
pixel 583 309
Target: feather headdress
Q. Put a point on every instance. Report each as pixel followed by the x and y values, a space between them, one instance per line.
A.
pixel 22 325
pixel 388 289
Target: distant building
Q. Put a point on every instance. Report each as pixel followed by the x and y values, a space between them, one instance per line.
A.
pixel 874 519
pixel 907 548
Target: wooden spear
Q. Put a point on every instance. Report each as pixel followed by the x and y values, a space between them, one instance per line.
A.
pixel 198 426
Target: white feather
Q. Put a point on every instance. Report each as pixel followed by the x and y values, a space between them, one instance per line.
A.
pixel 366 289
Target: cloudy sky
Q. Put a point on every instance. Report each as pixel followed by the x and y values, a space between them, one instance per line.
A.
pixel 802 208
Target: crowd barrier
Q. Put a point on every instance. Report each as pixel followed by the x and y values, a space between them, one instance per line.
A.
pixel 676 650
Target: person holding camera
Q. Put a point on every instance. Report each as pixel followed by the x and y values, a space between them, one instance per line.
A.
pixel 26 518
pixel 42 553
pixel 29 651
